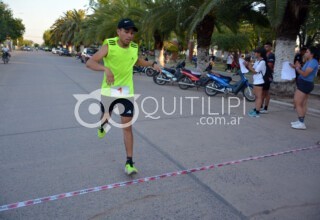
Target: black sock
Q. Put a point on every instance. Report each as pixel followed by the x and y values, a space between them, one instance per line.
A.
pixel 258 112
pixel 129 160
pixel 266 107
pixel 301 119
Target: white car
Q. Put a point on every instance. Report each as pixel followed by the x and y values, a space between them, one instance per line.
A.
pixel 54 50
pixel 87 53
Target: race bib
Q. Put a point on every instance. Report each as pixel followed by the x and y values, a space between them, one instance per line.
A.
pixel 120 91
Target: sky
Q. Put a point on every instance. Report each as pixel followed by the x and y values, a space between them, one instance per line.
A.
pixel 38 15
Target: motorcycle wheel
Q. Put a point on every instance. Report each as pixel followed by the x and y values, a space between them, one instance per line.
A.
pixel 208 90
pixel 248 94
pixel 149 72
pixel 184 79
pixel 157 79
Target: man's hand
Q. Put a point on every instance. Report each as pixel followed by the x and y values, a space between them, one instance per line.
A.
pixel 109 76
pixel 142 62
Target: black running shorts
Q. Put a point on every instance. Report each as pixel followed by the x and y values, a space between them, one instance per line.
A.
pixel 125 105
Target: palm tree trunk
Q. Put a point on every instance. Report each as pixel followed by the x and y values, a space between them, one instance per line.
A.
pixel 204 32
pixel 287 32
pixel 190 48
pixel 158 48
pixel 284 52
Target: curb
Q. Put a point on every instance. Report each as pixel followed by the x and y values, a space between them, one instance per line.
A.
pixel 316 90
pixel 310 110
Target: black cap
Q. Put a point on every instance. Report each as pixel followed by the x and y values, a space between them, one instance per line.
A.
pixel 127 23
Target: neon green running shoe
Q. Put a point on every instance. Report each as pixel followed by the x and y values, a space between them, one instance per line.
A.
pixel 101 133
pixel 130 169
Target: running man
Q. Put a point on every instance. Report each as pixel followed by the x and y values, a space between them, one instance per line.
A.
pixel 119 55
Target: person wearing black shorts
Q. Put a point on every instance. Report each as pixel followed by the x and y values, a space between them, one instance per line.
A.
pixel 119 55
pixel 305 85
pixel 266 87
pixel 125 105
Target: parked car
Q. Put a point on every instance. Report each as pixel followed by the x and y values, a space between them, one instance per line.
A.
pixel 58 51
pixel 64 52
pixel 54 50
pixel 87 53
pixel 27 48
pixel 47 49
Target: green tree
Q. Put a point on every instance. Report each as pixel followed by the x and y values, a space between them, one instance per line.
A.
pixel 103 22
pixel 310 31
pixel 203 16
pixel 230 41
pixel 67 28
pixel 28 43
pixel 9 27
pixel 47 38
pixel 286 17
pixel 160 22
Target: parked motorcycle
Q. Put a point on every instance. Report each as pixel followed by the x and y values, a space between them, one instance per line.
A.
pixel 141 69
pixel 218 83
pixel 191 79
pixel 169 74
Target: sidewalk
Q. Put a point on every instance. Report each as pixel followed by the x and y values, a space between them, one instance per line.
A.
pixel 316 90
pixel 313 102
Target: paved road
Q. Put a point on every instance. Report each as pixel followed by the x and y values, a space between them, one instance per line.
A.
pixel 45 151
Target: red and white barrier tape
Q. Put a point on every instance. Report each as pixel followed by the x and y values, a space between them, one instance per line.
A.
pixel 142 180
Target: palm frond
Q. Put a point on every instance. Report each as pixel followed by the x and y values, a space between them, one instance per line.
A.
pixel 204 10
pixel 275 11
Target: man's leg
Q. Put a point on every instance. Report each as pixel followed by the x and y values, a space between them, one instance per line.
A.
pixel 127 136
pixel 128 142
pixel 126 121
pixel 265 101
pixel 104 116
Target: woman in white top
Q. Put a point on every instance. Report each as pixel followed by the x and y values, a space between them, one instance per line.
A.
pixel 259 70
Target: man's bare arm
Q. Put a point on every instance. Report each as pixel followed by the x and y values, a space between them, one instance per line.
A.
pixel 142 62
pixel 93 63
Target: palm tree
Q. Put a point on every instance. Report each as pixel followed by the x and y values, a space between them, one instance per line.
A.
pixel 203 16
pixel 74 24
pixel 47 38
pixel 159 21
pixel 286 17
pixel 66 29
pixel 103 22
